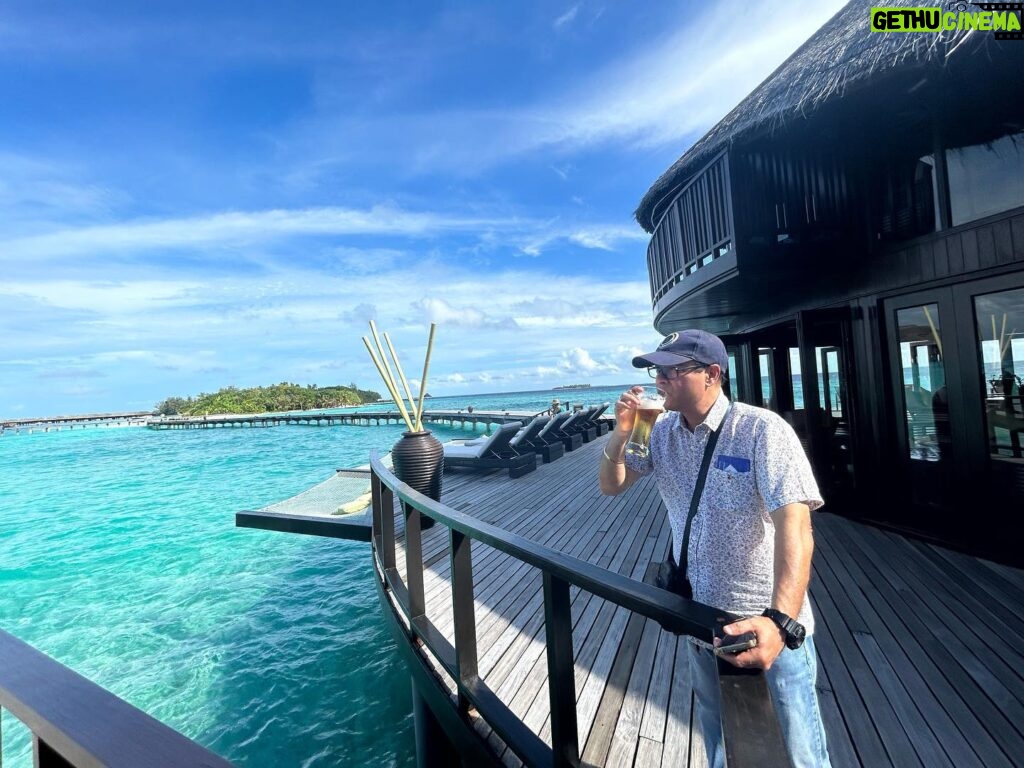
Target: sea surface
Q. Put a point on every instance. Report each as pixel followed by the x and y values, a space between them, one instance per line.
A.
pixel 119 557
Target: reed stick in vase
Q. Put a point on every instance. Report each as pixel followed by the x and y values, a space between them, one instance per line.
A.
pixel 401 374
pixel 423 379
pixel 385 375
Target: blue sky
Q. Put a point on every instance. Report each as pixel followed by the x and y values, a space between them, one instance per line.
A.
pixel 196 195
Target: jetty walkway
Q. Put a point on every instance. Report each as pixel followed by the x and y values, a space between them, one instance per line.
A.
pixel 90 420
pixel 905 678
pixel 473 419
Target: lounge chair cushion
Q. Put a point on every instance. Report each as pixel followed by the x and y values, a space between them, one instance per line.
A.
pixel 478 449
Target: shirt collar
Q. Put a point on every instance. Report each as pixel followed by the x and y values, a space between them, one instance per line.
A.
pixel 714 418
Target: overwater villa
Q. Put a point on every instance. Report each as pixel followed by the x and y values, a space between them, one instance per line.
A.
pixel 854 229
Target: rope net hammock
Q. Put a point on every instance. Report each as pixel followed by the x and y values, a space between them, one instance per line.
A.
pixel 346 492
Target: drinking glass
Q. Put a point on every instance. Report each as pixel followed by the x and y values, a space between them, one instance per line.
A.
pixel 651 406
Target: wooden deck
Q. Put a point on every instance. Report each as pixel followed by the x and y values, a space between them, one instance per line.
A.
pixel 920 649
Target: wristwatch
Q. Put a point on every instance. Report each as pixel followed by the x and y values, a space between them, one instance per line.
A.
pixel 791 628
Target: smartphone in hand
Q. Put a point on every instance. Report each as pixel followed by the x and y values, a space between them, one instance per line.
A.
pixel 736 643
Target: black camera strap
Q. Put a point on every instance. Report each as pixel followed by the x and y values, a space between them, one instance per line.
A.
pixel 698 491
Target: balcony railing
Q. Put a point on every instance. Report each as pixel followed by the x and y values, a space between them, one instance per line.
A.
pixel 750 727
pixel 696 229
pixel 75 722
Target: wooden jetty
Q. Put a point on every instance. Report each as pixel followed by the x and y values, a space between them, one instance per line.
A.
pixel 89 420
pixel 462 419
pixel 920 648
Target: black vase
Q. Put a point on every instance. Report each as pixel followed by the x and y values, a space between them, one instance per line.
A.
pixel 418 459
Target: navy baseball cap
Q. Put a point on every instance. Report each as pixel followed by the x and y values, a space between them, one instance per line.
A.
pixel 684 346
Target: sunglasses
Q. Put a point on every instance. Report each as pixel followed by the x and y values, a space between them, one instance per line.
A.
pixel 672 372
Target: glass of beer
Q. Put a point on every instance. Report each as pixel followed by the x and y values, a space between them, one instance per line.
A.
pixel 651 406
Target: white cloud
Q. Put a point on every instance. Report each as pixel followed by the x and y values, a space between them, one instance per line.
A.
pixel 32 188
pixel 436 310
pixel 254 235
pixel 669 90
pixel 687 80
pixel 451 378
pixel 579 360
pixel 105 296
pixel 567 17
pixel 239 228
pixel 604 237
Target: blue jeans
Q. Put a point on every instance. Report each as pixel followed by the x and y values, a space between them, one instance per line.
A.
pixel 791 682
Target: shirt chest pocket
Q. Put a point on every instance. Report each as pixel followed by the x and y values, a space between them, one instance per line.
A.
pixel 730 484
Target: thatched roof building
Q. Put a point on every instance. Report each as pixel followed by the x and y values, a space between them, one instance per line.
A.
pixel 843 56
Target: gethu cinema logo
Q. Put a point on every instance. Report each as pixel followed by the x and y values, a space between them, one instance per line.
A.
pixel 935 19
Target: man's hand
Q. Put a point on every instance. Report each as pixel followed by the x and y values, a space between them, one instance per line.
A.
pixel 625 411
pixel 770 643
pixel 614 476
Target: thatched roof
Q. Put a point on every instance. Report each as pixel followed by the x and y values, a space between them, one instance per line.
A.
pixel 841 56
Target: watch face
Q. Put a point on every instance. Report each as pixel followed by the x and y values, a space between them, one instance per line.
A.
pixel 792 628
pixel 796 636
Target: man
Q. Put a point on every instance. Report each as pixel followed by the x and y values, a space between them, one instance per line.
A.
pixel 750 542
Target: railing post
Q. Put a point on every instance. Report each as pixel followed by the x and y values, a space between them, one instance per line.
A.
pixel 46 756
pixel 385 500
pixel 375 507
pixel 561 675
pixel 414 561
pixel 463 611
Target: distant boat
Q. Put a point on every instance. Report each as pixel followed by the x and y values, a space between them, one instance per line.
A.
pixel 571 386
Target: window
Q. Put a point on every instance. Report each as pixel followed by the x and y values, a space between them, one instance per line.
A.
pixel 926 407
pixel 765 366
pixel 999 319
pixel 909 199
pixel 986 178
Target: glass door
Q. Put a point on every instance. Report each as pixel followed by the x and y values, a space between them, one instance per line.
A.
pixel 994 393
pixel 925 411
pixel 957 366
pixel 820 392
pixel 927 396
pixel 999 320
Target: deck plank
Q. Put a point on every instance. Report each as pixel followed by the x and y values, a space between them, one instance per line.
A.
pixel 990 601
pixel 679 730
pixel 652 727
pixel 627 728
pixel 953 622
pixel 981 721
pixel 924 718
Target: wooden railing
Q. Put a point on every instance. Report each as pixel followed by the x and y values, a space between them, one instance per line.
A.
pixel 694 229
pixel 75 722
pixel 750 726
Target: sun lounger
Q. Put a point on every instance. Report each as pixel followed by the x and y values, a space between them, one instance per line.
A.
pixel 570 438
pixel 494 452
pixel 584 426
pixel 592 425
pixel 548 442
pixel 522 440
pixel 602 422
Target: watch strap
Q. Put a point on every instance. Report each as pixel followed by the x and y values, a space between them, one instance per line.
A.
pixel 789 626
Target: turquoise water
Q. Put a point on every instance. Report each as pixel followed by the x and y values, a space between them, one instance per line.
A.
pixel 119 558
